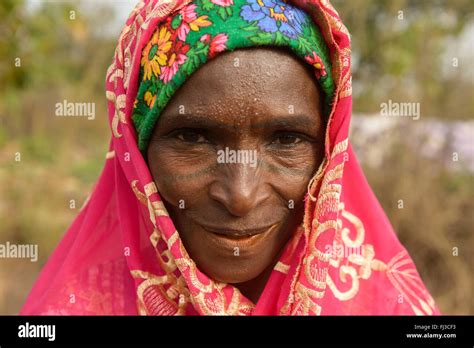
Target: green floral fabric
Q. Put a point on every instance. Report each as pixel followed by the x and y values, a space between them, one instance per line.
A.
pixel 203 29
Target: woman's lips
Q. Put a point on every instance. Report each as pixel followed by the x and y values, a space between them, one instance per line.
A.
pixel 237 234
pixel 242 239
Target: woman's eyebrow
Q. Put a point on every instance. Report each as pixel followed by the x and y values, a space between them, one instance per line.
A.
pixel 300 121
pixel 289 121
pixel 191 121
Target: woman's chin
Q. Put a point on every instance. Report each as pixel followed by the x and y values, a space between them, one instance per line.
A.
pixel 233 274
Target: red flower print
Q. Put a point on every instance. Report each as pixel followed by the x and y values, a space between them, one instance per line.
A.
pixel 205 38
pixel 318 64
pixel 218 43
pixel 223 3
pixel 176 57
pixel 187 20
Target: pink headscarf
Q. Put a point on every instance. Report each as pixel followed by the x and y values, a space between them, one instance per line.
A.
pixel 123 256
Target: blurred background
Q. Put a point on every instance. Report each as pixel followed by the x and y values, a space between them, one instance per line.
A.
pixel 404 51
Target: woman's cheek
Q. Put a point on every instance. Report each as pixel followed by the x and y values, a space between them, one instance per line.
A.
pixel 179 177
pixel 176 152
pixel 291 165
pixel 290 174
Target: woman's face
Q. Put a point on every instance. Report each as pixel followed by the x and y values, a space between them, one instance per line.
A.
pixel 235 214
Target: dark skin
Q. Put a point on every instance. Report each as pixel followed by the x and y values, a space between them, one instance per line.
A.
pixel 233 218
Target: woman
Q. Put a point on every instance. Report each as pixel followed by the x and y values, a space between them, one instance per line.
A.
pixel 230 186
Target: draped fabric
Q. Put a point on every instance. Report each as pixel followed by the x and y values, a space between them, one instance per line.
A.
pixel 123 256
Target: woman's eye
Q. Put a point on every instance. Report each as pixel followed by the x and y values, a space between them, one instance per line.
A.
pixel 191 137
pixel 287 139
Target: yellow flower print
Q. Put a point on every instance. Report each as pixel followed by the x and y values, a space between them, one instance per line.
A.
pixel 199 22
pixel 154 55
pixel 149 99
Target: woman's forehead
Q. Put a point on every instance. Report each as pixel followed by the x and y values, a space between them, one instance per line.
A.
pixel 247 79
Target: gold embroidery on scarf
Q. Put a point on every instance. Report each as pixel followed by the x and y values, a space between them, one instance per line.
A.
pixel 335 22
pixel 146 275
pixel 119 115
pixel 315 276
pixel 352 291
pixel 163 8
pixel 364 261
pixel 281 267
pixel 151 213
pixel 140 195
pixel 152 296
pixel 128 63
pixel 209 306
pixel 169 265
pixel 346 83
pixel 204 288
pixel 359 228
pixel 340 148
pixel 316 178
pixel 316 263
pixel 333 174
pixel 174 237
pixel 150 189
pixel 328 200
pixel 159 208
pixel 305 304
pixel 346 91
pixel 218 306
pixel 329 6
pixel 110 154
pixel 210 298
pixel 402 279
pixel 359 266
pixel 155 237
pixel 153 299
pixel 234 302
pixel 113 73
pixel 321 228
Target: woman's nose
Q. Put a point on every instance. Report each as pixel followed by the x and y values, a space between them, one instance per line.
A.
pixel 239 189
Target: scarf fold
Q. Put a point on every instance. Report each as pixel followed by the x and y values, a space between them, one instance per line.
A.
pixel 123 256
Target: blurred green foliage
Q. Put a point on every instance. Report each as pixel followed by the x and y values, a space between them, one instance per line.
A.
pixel 408 55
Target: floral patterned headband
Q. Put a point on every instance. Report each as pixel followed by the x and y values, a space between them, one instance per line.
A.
pixel 204 28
